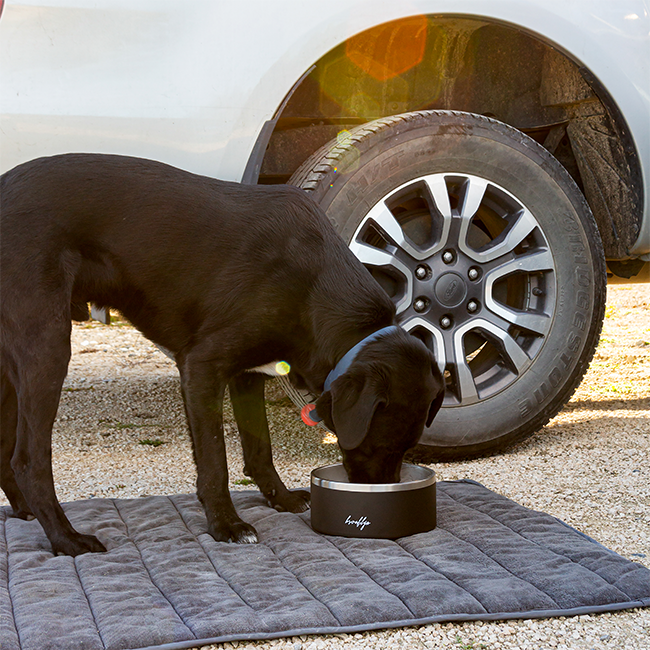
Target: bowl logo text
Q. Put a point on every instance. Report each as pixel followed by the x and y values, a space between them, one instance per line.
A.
pixel 359 523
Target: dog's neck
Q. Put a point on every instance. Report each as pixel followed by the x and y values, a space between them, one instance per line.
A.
pixel 335 318
pixel 327 352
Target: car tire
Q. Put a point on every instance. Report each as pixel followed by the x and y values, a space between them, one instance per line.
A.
pixel 491 255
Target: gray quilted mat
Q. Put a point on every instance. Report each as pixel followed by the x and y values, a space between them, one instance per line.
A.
pixel 166 583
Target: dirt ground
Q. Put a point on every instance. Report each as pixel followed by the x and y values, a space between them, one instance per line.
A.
pixel 121 432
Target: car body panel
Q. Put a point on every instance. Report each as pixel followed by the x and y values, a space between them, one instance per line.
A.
pixel 193 83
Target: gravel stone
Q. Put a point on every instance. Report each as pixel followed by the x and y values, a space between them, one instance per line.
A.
pixel 121 432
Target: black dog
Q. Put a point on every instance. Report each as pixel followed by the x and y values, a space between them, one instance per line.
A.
pixel 228 278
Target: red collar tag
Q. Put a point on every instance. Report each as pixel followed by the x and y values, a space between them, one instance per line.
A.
pixel 306 415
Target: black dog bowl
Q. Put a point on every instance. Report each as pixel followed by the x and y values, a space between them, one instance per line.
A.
pixel 379 510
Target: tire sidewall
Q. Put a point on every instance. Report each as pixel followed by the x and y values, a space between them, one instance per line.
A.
pixel 375 166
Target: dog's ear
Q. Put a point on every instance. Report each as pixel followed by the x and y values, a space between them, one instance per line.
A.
pixel 435 406
pixel 348 407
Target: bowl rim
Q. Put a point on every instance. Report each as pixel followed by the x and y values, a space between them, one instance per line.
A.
pixel 429 478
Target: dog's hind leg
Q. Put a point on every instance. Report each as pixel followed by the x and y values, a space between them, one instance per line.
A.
pixel 203 390
pixel 8 423
pixel 40 373
pixel 247 397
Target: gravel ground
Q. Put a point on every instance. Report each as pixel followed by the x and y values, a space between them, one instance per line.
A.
pixel 121 432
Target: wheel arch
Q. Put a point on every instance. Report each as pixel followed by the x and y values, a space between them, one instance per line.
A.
pixel 472 64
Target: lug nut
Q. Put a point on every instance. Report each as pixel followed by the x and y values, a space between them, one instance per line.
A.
pixel 472 306
pixel 421 272
pixel 445 322
pixel 448 257
pixel 473 273
pixel 420 304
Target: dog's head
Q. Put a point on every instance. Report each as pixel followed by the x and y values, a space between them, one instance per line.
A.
pixel 380 406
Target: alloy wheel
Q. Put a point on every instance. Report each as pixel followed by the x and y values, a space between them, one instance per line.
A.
pixel 471 274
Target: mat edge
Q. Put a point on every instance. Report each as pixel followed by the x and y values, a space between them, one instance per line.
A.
pixel 389 625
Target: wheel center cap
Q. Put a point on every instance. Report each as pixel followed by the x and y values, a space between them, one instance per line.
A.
pixel 450 289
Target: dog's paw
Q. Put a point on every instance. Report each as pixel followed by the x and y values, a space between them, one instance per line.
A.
pixel 247 537
pixel 294 501
pixel 235 531
pixel 77 544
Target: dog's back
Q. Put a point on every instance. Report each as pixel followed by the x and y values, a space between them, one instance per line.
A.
pixel 161 245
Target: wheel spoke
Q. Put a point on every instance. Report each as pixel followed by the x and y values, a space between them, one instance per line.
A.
pixel 384 218
pixel 474 192
pixel 475 188
pixel 439 194
pixel 438 340
pixel 390 227
pixel 515 234
pixel 531 321
pixel 467 392
pixel 514 356
pixel 538 261
pixel 373 256
pixel 524 225
pixel 378 258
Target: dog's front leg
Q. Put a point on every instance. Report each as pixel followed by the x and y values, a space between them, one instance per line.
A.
pixel 203 390
pixel 247 397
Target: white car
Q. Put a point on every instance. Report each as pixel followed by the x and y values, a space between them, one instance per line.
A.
pixel 483 159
